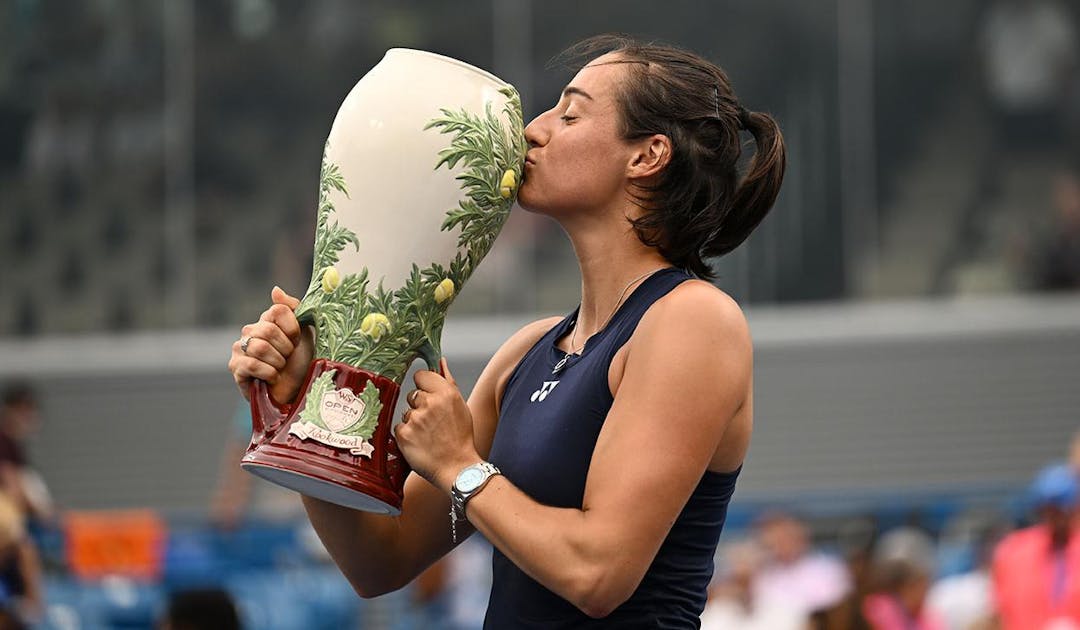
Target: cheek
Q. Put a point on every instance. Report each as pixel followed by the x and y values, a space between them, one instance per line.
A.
pixel 581 174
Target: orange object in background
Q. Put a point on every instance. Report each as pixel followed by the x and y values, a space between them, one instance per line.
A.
pixel 125 542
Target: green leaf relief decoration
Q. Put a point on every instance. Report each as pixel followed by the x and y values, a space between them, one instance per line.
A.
pixel 382 331
pixel 321 385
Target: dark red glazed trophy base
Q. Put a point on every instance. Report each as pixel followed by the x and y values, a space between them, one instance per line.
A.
pixel 372 484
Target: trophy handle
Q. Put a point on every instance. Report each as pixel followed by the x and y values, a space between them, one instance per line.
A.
pixel 266 414
pixel 431 355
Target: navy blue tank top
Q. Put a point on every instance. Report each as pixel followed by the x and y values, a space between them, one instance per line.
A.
pixel 548 426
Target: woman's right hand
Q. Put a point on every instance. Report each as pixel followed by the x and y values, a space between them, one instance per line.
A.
pixel 278 350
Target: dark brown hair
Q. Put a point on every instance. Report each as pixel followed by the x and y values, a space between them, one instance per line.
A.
pixel 698 207
pixel 18 394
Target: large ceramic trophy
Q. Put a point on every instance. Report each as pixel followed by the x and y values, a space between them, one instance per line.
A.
pixel 418 175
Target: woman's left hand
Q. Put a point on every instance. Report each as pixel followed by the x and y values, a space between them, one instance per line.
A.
pixel 436 434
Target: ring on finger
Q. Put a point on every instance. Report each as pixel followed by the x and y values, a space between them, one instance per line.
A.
pixel 244 344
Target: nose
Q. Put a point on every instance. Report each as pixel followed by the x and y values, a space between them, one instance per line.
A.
pixel 535 135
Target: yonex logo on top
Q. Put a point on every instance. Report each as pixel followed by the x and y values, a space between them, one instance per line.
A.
pixel 542 393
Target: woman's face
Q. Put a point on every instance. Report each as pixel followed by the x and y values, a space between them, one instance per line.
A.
pixel 577 160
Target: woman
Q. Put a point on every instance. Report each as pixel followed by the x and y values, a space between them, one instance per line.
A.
pixel 619 430
pixel 21 594
pixel 903 568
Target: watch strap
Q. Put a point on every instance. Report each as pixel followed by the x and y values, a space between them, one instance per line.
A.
pixel 459 499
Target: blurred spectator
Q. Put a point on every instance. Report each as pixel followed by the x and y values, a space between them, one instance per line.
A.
pixel 452 594
pixel 966 601
pixel 733 603
pixel 431 596
pixel 230 499
pixel 807 580
pixel 1036 570
pixel 19 418
pixel 1056 257
pixel 903 566
pixel 11 621
pixel 21 595
pixel 855 538
pixel 1029 50
pixel 201 609
pixel 238 492
pixel 470 582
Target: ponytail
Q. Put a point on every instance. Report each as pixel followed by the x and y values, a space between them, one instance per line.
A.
pixel 758 189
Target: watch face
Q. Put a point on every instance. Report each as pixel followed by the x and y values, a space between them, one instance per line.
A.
pixel 469 479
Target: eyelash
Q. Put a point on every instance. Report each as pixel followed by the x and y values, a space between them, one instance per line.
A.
pixel 568 118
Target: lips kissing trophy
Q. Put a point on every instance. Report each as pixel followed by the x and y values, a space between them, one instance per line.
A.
pixel 418 175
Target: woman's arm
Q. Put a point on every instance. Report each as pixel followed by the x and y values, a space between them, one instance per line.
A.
pixel 688 371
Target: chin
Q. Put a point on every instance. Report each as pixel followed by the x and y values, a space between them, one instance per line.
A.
pixel 527 200
pixel 537 208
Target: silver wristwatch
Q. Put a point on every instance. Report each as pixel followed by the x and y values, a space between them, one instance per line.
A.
pixel 469 482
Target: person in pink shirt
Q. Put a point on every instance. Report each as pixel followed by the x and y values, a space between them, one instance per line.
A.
pixel 1036 570
pixel 903 568
pixel 800 577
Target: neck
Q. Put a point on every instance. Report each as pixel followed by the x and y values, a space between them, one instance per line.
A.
pixel 610 256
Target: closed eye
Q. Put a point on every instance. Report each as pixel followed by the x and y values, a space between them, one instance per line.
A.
pixel 568 118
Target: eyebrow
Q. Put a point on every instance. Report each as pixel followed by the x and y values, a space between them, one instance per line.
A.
pixel 573 90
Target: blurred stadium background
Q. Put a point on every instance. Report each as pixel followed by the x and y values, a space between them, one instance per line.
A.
pixel 914 295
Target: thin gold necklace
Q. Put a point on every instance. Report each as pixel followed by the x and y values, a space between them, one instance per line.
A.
pixel 562 363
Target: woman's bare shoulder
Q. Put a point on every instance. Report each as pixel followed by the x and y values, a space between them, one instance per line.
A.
pixel 703 302
pixel 699 311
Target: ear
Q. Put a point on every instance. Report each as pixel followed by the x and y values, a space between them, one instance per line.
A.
pixel 649 157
